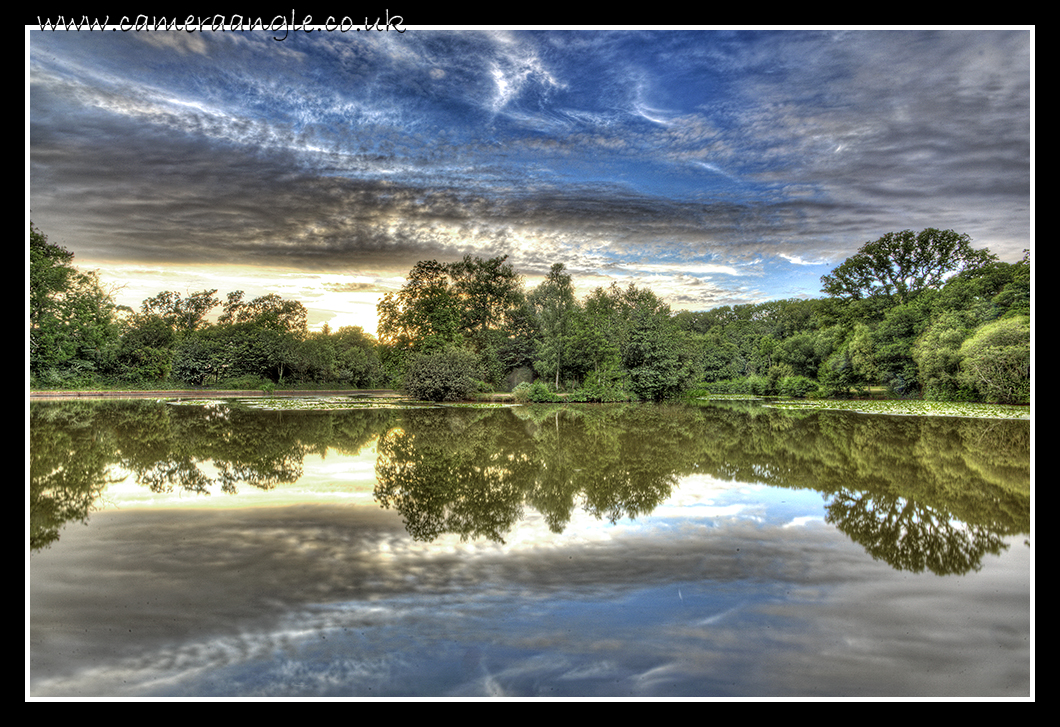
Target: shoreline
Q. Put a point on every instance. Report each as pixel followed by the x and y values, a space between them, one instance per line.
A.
pixel 498 397
pixel 218 393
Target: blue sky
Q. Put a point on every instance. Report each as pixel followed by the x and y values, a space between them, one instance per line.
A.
pixel 715 167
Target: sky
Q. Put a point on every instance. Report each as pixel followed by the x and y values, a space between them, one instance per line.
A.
pixel 715 167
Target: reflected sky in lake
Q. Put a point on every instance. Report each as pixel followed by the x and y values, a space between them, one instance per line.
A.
pixel 724 588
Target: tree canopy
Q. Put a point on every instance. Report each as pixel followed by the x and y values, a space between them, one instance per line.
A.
pixel 903 264
pixel 183 314
pixel 72 327
pixel 443 303
pixel 421 316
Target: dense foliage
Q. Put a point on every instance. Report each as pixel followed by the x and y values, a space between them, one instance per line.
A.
pixel 902 264
pixel 923 315
pixel 80 339
pixel 72 329
pixel 446 375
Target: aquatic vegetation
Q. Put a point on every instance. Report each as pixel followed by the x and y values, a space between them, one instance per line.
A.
pixel 336 403
pixel 910 408
pixel 891 407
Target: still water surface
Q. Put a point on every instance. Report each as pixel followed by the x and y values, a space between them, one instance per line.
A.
pixel 215 549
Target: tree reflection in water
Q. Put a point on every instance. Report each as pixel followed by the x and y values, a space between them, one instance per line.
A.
pixel 918 493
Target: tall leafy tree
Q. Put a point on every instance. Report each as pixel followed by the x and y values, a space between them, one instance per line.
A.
pixel 50 272
pixel 72 326
pixel 183 314
pixel 555 305
pixel 902 264
pixel 488 291
pixel 657 354
pixel 146 350
pixel 893 344
pixel 490 300
pixel 632 329
pixel 937 353
pixel 518 338
pixel 1015 297
pixel 269 312
pixel 356 358
pixel 424 315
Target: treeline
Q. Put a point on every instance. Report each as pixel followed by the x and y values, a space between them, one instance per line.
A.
pixel 920 314
pixel 79 338
pixel 454 328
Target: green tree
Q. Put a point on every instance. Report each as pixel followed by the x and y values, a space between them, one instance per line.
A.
pixel 996 360
pixel 631 336
pixel 269 312
pixel 253 350
pixel 182 314
pixel 146 350
pixel 203 357
pixel 488 292
pixel 986 293
pixel 894 339
pixel 718 356
pixel 50 272
pixel 592 350
pixel 657 354
pixel 902 264
pixel 606 323
pixel 937 353
pixel 852 364
pixel 800 353
pixel 489 298
pixel 424 315
pixel 356 358
pixel 517 341
pixel 73 330
pixel 1014 298
pixel 555 306
pixel 252 340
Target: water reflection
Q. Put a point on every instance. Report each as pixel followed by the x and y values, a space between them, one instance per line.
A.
pixel 920 494
pixel 471 474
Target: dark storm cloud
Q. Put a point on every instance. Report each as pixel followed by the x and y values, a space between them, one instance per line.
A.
pixel 589 148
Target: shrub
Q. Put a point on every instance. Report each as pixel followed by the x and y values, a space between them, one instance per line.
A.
pixel 727 387
pixel 540 393
pixel 797 386
pixel 537 392
pixel 606 385
pixel 247 382
pixel 760 386
pixel 521 393
pixel 448 375
pixel 996 360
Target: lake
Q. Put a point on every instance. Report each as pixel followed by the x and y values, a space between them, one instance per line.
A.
pixel 345 547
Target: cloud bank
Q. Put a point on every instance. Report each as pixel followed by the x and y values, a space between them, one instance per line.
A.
pixel 715 167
